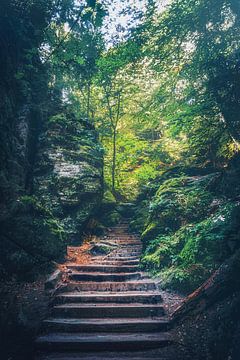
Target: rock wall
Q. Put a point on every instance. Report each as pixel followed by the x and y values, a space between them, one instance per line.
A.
pixel 53 195
pixel 50 167
pixel 68 177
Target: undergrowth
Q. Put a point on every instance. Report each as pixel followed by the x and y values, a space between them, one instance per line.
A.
pixel 188 232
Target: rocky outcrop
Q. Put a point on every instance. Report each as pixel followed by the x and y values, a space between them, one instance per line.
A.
pixel 68 176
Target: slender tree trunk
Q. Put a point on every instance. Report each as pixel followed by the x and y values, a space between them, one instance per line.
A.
pixel 115 142
pixel 114 119
pixel 88 97
pixel 114 158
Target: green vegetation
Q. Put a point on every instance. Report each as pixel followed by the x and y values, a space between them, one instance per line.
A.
pixel 98 113
pixel 114 109
pixel 189 232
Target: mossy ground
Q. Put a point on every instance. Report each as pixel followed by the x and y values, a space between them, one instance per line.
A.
pixel 189 230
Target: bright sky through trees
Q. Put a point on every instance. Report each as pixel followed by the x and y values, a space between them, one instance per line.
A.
pixel 122 17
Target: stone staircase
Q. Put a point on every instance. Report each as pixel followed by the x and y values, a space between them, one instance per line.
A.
pixel 108 309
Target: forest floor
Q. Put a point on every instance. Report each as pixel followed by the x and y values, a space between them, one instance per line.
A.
pixel 23 306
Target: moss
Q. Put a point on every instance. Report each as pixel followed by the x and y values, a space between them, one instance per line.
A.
pixel 151 231
pixel 31 238
pixel 178 201
pixel 108 197
pixel 189 232
pixel 69 172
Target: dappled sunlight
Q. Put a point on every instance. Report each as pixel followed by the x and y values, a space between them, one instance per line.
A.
pixel 119 179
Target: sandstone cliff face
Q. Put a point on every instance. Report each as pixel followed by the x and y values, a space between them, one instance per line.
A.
pixel 50 195
pixel 68 177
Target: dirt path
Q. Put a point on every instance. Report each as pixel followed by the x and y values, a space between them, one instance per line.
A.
pixel 107 308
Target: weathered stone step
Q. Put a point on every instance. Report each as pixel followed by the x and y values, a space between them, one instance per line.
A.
pixel 123 255
pixel 108 262
pixel 106 325
pixel 106 355
pixel 127 251
pixel 104 268
pixel 122 297
pixel 125 234
pixel 81 276
pixel 140 285
pixel 131 247
pixel 164 353
pixel 119 231
pixel 128 247
pixel 101 342
pixel 108 310
pixel 121 240
pixel 122 237
pixel 119 257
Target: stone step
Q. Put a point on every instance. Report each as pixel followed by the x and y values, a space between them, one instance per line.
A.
pixel 108 262
pixel 119 257
pixel 119 232
pixel 127 233
pixel 122 235
pixel 121 241
pixel 114 228
pixel 159 354
pixel 130 246
pixel 109 310
pixel 106 309
pixel 140 285
pixel 126 251
pixel 102 277
pixel 123 255
pixel 104 268
pixel 102 342
pixel 122 238
pixel 122 297
pixel 106 325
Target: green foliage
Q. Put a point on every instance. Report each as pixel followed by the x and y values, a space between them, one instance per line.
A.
pixel 179 106
pixel 163 94
pixel 32 238
pixel 177 202
pixel 189 232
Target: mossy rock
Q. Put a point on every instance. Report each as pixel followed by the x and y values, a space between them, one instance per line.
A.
pixel 69 176
pixel 100 249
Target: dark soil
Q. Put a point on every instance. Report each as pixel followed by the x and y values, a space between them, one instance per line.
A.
pixel 22 308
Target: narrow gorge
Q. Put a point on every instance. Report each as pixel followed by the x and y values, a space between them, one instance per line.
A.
pixel 119 179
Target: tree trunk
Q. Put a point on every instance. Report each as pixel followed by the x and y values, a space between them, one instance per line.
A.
pixel 88 97
pixel 114 158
